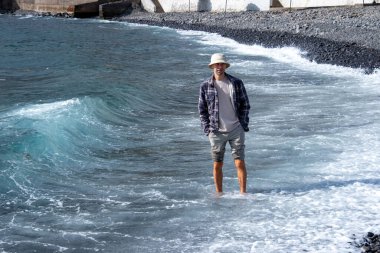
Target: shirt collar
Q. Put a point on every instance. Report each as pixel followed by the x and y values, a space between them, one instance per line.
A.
pixel 211 79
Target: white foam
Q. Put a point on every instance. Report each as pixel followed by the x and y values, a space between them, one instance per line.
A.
pixel 317 221
pixel 155 195
pixel 137 25
pixel 370 82
pixel 320 220
pixel 103 21
pixel 41 110
pixel 359 160
pixel 27 16
pixel 288 55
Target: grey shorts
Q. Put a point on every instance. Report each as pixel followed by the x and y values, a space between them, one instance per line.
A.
pixel 218 141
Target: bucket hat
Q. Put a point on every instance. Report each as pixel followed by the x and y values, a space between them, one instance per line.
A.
pixel 218 58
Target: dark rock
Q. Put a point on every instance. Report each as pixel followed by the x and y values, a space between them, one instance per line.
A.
pixel 86 10
pixel 113 9
pixel 370 243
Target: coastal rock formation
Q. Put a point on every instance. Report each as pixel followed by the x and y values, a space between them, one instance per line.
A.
pixel 114 9
pixel 76 8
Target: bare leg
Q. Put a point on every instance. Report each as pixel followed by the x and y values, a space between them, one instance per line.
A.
pixel 242 174
pixel 218 176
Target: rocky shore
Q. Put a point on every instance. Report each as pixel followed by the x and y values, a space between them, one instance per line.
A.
pixel 345 36
pixel 370 243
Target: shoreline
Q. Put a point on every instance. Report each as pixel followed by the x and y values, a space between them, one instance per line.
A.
pixel 343 36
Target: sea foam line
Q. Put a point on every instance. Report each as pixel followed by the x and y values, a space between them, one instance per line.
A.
pixel 289 55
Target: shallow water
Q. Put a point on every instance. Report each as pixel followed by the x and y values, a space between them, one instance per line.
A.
pixel 101 147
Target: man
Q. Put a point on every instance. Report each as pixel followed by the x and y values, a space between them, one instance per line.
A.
pixel 224 107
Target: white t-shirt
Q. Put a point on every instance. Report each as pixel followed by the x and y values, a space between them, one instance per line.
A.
pixel 228 119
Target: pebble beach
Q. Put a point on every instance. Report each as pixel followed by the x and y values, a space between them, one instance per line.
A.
pixel 344 36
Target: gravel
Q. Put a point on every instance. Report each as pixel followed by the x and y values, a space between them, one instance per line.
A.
pixel 345 36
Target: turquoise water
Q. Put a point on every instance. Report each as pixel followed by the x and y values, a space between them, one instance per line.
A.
pixel 101 148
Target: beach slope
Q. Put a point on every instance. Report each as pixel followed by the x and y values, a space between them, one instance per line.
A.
pixel 344 36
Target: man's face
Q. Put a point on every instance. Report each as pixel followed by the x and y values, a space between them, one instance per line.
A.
pixel 219 68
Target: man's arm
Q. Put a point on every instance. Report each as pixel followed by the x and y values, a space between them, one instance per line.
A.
pixel 244 107
pixel 203 111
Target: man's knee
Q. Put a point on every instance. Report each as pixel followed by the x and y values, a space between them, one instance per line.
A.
pixel 240 164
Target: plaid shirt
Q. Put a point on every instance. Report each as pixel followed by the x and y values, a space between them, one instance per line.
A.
pixel 208 104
